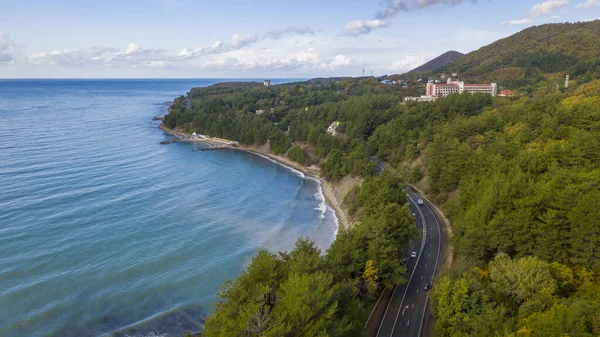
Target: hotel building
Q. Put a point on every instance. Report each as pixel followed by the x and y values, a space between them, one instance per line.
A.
pixel 459 87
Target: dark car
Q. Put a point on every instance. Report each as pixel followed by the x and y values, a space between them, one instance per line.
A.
pixel 427 286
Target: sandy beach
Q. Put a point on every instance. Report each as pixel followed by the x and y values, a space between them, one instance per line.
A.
pixel 334 192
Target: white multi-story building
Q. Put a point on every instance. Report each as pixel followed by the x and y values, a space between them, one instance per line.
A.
pixel 459 87
pixel 434 90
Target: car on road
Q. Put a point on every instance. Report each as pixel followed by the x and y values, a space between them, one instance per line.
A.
pixel 420 202
pixel 427 286
pixel 413 254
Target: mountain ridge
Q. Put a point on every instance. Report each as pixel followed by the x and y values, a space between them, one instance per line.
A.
pixel 438 62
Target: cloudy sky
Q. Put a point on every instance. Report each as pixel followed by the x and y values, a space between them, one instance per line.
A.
pixel 258 38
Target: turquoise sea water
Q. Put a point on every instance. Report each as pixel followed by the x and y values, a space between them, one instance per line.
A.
pixel 105 232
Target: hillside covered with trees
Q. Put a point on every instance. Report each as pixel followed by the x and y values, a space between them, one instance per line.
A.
pixel 519 178
pixel 535 55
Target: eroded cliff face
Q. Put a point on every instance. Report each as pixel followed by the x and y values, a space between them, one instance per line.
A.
pixel 335 191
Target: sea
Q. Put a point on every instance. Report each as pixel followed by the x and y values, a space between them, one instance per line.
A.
pixel 106 232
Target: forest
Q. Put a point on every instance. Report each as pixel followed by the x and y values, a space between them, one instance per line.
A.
pixel 518 177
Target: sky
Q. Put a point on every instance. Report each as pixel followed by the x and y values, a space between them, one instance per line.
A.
pixel 258 38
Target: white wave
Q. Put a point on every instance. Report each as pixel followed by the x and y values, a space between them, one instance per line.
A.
pixel 298 173
pixel 324 207
pixel 337 224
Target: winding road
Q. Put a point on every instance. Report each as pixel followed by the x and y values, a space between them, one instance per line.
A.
pixel 406 312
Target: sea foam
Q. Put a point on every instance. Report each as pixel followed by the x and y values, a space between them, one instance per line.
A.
pixel 296 172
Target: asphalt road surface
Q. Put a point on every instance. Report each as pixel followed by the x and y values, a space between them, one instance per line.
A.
pixel 406 312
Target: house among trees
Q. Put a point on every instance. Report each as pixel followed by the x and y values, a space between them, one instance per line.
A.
pixel 332 129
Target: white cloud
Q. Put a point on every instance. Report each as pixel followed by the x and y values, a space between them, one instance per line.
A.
pixel 339 61
pixel 134 55
pixel 218 47
pixel 273 60
pixel 547 7
pixel 409 62
pixel 426 3
pixel 287 64
pixel 8 48
pixel 393 7
pixel 539 10
pixel 589 4
pixel 291 30
pixel 515 22
pixel 390 10
pixel 132 48
pixel 360 27
pixel 243 40
pixel 238 41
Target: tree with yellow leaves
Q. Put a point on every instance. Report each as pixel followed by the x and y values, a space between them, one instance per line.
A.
pixel 370 277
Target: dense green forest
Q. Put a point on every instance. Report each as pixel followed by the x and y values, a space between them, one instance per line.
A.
pixel 518 177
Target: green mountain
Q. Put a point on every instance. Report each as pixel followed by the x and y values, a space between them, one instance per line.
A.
pixel 438 62
pixel 535 54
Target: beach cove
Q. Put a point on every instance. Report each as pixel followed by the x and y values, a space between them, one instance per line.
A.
pixel 333 192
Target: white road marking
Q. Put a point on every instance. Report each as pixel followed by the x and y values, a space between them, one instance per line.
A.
pixel 406 307
pixel 421 277
pixel 434 268
pixel 386 310
pixel 372 311
pixel 413 305
pixel 417 290
pixel 407 324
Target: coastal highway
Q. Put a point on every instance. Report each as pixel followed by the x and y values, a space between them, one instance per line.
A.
pixel 406 312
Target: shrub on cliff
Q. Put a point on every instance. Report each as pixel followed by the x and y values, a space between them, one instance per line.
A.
pixel 296 154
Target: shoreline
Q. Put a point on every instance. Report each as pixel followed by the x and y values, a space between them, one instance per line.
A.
pixel 313 172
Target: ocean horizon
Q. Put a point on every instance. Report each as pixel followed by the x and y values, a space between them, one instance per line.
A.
pixel 105 232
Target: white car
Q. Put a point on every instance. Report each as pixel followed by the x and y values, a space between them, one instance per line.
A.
pixel 420 202
pixel 413 254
